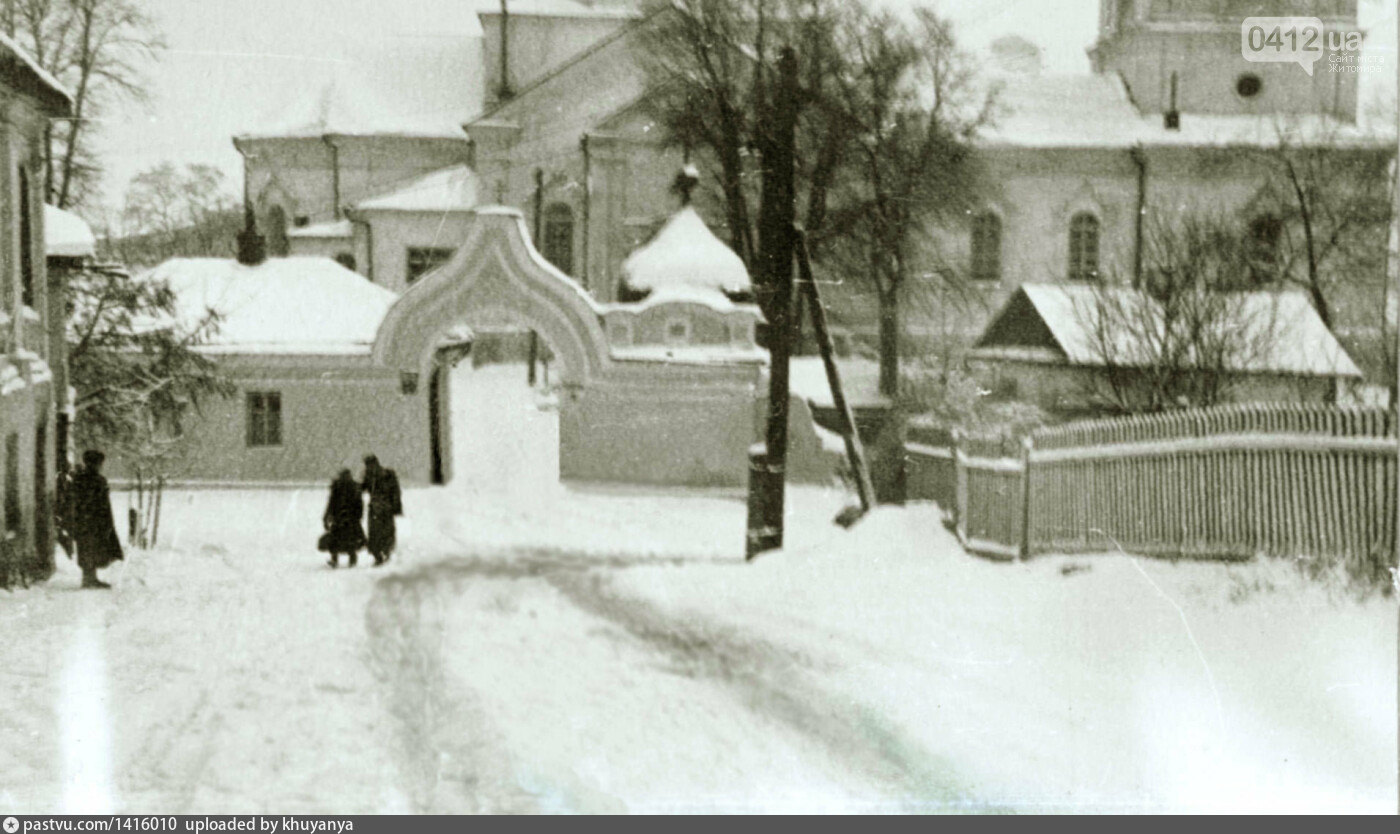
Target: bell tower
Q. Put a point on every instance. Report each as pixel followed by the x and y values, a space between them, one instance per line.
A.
pixel 1148 43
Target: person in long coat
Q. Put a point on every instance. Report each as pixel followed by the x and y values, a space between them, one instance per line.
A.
pixel 342 520
pixel 385 502
pixel 89 515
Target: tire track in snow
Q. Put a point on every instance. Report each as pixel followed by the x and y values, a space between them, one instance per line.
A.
pixel 778 685
pixel 775 682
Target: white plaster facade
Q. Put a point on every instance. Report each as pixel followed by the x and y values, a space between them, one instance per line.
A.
pixel 31 319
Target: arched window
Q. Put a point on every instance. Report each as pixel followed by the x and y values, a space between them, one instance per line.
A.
pixel 986 247
pixel 1084 247
pixel 1265 232
pixel 277 232
pixel 558 243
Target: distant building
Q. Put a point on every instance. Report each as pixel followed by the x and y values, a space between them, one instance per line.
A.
pixel 31 320
pixel 1053 344
pixel 1072 163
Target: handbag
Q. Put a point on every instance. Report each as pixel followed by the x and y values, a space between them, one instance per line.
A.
pixel 323 544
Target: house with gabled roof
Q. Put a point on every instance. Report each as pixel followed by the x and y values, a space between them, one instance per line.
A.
pixel 1052 344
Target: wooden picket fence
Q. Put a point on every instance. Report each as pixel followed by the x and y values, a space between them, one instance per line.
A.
pixel 1226 482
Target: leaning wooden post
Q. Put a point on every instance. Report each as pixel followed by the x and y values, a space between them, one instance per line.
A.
pixel 1027 445
pixel 539 224
pixel 855 450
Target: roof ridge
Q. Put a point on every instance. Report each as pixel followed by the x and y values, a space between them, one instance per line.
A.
pixel 595 48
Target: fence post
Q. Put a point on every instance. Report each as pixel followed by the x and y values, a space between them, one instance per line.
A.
pixel 1027 444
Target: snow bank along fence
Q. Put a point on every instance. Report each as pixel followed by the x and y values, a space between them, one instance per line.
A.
pixel 1224 482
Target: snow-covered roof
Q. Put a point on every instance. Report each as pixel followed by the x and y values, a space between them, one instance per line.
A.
pixel 451 189
pixel 1093 111
pixel 283 305
pixel 1287 335
pixel 332 229
pixel 686 253
pixel 346 105
pixel 66 235
pixel 31 71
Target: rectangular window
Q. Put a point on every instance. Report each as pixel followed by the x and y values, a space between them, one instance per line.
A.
pixel 424 259
pixel 264 418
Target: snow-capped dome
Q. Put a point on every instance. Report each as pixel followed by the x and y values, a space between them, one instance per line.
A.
pixel 686 253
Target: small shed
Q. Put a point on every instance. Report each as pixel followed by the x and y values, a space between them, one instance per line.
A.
pixel 1048 341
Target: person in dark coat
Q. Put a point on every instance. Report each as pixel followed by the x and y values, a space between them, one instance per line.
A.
pixel 385 502
pixel 342 520
pixel 89 514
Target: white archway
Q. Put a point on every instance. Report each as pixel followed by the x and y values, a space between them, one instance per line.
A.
pixel 496 278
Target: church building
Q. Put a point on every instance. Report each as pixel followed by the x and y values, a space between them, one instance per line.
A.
pixel 1161 121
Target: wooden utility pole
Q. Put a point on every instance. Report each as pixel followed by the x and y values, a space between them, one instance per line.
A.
pixel 539 226
pixel 855 450
pixel 775 241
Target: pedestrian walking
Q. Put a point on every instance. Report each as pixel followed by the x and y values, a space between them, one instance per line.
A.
pixel 89 514
pixel 344 534
pixel 385 502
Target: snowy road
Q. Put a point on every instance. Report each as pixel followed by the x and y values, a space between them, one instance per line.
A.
pixel 486 670
pixel 541 648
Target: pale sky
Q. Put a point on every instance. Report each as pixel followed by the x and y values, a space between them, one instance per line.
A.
pixel 232 65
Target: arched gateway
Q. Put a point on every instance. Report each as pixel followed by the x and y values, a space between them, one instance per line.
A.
pixel 495 278
pixel 668 390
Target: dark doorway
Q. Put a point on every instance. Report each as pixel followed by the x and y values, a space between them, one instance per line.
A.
pixel 43 522
pixel 435 419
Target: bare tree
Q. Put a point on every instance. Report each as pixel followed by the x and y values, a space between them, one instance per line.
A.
pixel 97 49
pixel 136 367
pixel 1321 220
pixel 1191 333
pixel 172 212
pixel 911 110
pixel 712 71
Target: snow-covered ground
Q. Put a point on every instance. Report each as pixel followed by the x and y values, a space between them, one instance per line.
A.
pixel 535 647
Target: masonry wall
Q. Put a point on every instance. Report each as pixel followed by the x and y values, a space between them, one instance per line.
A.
pixel 334 412
pixel 27 396
pixel 392 233
pixel 296 173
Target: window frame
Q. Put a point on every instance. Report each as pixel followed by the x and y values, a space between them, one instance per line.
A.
pixel 1085 225
pixel 985 224
pixel 431 258
pixel 262 415
pixel 557 246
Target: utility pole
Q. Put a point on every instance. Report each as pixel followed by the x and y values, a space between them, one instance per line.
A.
pixel 775 240
pixel 539 225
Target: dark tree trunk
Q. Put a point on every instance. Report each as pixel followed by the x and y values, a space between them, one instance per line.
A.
pixel 889 342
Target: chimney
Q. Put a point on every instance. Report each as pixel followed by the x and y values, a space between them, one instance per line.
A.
pixel 1172 118
pixel 252 249
pixel 503 90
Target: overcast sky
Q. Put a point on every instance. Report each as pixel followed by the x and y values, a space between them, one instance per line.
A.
pixel 232 65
